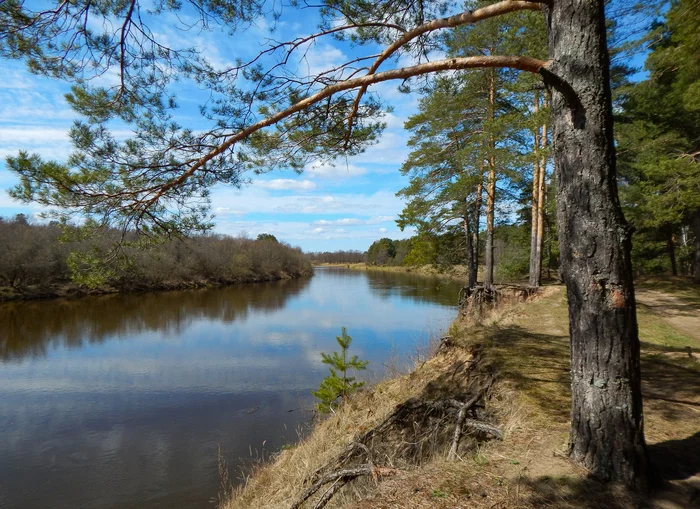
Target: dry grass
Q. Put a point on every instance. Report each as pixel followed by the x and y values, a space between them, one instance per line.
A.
pixel 456 272
pixel 527 345
pixel 278 483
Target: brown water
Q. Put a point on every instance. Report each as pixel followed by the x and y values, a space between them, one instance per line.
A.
pixel 124 401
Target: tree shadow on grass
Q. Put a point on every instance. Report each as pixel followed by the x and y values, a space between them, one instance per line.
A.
pixel 675 483
pixel 676 471
pixel 538 364
pixel 663 308
pixel 674 381
pixel 676 459
pixel 581 493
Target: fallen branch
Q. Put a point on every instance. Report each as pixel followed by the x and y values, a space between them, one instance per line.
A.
pixel 330 492
pixel 461 416
pixel 482 426
pixel 346 474
pixel 340 478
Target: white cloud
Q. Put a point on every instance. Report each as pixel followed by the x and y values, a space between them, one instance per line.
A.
pixel 319 57
pixel 333 170
pixel 33 135
pixel 353 221
pixel 285 184
pixel 47 141
pixel 227 211
pixel 261 201
pixel 391 149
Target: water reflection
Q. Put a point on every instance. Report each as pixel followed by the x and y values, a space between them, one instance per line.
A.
pixel 27 328
pixel 418 288
pixel 124 401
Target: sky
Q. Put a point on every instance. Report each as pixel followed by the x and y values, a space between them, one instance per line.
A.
pixel 345 205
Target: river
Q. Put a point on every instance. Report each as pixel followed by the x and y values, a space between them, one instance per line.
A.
pixel 124 401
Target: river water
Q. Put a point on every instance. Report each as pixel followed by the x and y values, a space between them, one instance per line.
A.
pixel 124 401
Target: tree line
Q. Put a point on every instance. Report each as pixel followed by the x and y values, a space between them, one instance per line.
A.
pixel 340 256
pixel 481 180
pixel 46 257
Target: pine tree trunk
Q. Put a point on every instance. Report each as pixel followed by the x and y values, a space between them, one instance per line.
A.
pixel 534 279
pixel 671 248
pixel 696 246
pixel 542 191
pixel 471 273
pixel 477 222
pixel 490 191
pixel 607 434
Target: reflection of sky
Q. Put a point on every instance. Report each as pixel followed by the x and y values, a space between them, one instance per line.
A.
pixel 137 409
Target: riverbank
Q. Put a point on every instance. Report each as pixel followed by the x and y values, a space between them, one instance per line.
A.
pixel 526 348
pixel 456 272
pixel 72 290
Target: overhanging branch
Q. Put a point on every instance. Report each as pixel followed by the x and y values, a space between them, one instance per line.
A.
pixel 490 11
pixel 527 64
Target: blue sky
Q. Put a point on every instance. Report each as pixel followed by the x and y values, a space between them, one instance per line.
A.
pixel 347 205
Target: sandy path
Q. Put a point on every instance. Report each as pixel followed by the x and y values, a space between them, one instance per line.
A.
pixel 679 313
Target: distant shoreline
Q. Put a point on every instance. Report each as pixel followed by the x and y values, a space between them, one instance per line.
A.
pixel 71 290
pixel 457 272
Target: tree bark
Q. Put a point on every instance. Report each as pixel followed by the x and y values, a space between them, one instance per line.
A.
pixel 671 249
pixel 490 189
pixel 607 433
pixel 471 273
pixel 534 279
pixel 696 246
pixel 477 222
pixel 542 191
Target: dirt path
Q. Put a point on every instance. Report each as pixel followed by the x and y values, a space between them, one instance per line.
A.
pixel 680 313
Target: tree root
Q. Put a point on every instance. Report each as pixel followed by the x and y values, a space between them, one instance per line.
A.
pixel 401 434
pixel 473 301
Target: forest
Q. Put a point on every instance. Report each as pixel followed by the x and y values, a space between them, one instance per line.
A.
pixel 657 134
pixel 43 260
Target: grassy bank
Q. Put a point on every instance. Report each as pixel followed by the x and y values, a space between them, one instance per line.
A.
pixel 457 272
pixel 527 348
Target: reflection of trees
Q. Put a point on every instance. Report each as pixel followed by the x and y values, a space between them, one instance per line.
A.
pixel 418 287
pixel 28 328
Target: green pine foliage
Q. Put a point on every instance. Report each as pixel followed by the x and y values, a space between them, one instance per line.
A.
pixel 658 140
pixel 450 146
pixel 337 386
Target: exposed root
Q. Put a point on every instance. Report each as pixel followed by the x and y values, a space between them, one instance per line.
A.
pixel 339 479
pixel 477 300
pixel 412 432
pixel 459 424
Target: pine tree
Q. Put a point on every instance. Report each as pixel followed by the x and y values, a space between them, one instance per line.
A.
pixel 659 147
pixel 337 386
pixel 471 127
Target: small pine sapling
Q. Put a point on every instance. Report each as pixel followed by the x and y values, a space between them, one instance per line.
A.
pixel 337 386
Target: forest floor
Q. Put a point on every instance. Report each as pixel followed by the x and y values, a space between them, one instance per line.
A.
pixel 527 347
